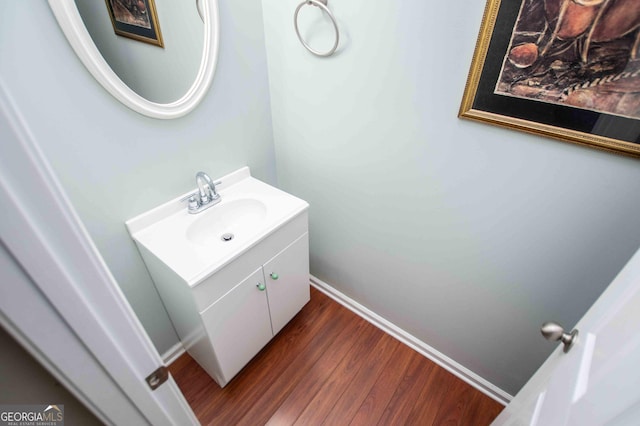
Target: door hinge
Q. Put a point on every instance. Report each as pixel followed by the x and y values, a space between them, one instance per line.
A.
pixel 158 377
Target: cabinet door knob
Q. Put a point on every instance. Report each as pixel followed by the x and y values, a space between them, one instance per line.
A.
pixel 274 276
pixel 261 286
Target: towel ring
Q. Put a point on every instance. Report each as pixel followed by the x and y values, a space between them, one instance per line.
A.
pixel 322 4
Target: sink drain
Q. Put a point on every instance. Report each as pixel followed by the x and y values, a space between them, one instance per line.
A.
pixel 227 237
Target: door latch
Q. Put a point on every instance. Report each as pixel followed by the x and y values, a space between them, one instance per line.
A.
pixel 158 377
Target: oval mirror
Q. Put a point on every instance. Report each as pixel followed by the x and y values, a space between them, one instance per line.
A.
pixel 73 26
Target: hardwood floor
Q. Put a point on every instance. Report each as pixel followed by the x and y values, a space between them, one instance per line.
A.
pixel 329 366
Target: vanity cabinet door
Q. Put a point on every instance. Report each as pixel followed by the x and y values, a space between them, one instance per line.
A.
pixel 287 276
pixel 238 325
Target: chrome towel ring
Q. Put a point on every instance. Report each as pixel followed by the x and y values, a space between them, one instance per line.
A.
pixel 322 4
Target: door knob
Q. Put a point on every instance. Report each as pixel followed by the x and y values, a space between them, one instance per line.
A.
pixel 554 332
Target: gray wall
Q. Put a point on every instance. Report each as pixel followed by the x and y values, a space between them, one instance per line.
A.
pixel 114 163
pixel 158 74
pixel 465 235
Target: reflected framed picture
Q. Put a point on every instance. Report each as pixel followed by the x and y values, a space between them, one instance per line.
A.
pixel 136 19
pixel 567 69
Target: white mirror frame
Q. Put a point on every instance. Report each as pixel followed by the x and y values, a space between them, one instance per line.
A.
pixel 69 19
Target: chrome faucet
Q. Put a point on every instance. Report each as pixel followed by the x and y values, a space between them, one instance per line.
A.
pixel 207 188
pixel 206 195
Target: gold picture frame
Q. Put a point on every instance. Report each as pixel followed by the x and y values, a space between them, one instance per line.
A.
pixel 136 19
pixel 519 107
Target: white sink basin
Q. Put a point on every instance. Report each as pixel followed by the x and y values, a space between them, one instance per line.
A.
pixel 226 221
pixel 192 245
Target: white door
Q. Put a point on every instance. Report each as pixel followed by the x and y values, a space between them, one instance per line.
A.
pixel 239 325
pixel 597 382
pixel 60 301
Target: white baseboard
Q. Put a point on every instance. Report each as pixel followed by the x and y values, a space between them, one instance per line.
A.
pixel 173 353
pixel 413 342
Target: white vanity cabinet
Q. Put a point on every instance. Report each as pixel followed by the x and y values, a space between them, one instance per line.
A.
pixel 244 320
pixel 225 319
pixel 230 276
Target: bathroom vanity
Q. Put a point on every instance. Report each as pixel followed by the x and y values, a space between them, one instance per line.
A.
pixel 232 276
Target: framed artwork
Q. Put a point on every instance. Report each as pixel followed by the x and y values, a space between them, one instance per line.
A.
pixel 567 69
pixel 136 19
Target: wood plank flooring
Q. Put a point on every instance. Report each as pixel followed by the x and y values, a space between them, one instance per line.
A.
pixel 329 366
